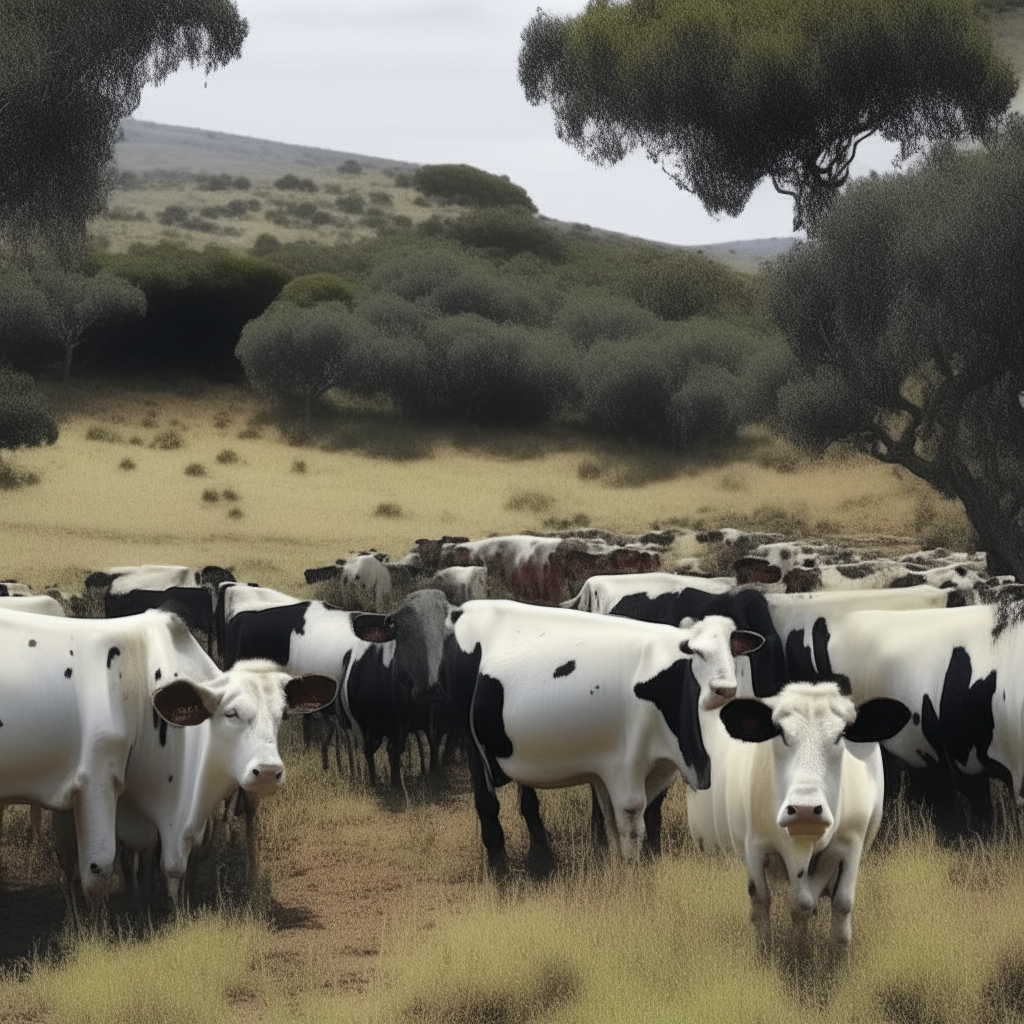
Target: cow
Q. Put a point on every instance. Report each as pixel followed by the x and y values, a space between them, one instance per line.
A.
pixel 12 588
pixel 649 590
pixel 38 604
pixel 362 583
pixel 772 562
pixel 787 792
pixel 525 565
pixel 883 574
pixel 192 604
pixel 78 699
pixel 396 688
pixel 955 670
pixel 555 697
pixel 460 583
pixel 123 578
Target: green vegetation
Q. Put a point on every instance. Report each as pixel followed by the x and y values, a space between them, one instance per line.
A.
pixel 292 182
pixel 904 313
pixel 762 89
pixel 25 421
pixel 69 74
pixel 469 186
pixel 309 289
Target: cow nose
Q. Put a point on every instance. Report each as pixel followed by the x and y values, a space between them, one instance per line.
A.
pixel 268 773
pixel 805 819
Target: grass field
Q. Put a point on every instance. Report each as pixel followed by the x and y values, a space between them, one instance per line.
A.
pixel 362 914
pixel 125 485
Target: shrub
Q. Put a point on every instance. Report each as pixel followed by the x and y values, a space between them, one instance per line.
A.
pixel 597 316
pixel 236 208
pixel 292 182
pixel 230 494
pixel 265 243
pixel 706 409
pixel 508 231
pixel 12 478
pixel 179 217
pixel 210 495
pixel 136 440
pixel 309 289
pixel 296 352
pixel 404 180
pixel 388 510
pixel 350 167
pixel 353 204
pixel 103 434
pixel 235 513
pixel 381 198
pixel 421 201
pixel 195 469
pixel 126 464
pixel 491 296
pixel 395 316
pixel 401 220
pixel 250 434
pixel 125 213
pixel 227 457
pixel 27 335
pixel 819 408
pixel 469 186
pixel 683 285
pixel 589 470
pixel 305 213
pixel 168 441
pixel 221 182
pixel 25 421
pixel 530 501
pixel 299 466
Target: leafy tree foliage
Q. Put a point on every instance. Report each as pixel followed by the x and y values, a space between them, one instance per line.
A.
pixel 310 289
pixel 905 312
pixel 726 93
pixel 505 230
pixel 596 316
pixel 25 422
pixel 26 332
pixel 469 186
pixel 300 352
pixel 76 303
pixel 69 74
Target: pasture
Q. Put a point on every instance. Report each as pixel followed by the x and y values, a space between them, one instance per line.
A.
pixel 364 914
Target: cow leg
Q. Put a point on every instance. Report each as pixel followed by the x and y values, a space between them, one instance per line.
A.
pixel 35 820
pixel 629 803
pixel 844 884
pixel 598 833
pixel 95 808
pixel 396 747
pixel 540 861
pixel 487 810
pixel 419 746
pixel 652 823
pixel 976 791
pixel 760 894
pixel 369 750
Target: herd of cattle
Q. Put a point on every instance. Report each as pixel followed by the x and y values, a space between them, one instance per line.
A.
pixel 551 661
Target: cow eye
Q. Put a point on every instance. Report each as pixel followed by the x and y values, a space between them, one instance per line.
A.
pixel 231 714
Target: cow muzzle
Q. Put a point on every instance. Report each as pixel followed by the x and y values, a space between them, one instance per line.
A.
pixel 805 821
pixel 719 694
pixel 264 779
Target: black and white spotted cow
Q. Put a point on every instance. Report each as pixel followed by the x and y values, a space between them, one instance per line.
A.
pixel 12 588
pixel 82 700
pixel 956 670
pixel 556 697
pixel 38 604
pixel 653 594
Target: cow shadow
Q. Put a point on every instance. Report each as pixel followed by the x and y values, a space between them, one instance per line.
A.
pixel 811 966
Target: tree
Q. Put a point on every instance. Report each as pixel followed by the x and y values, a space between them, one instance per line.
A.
pixel 69 74
pixel 77 303
pixel 726 93
pixel 300 352
pixel 26 332
pixel 309 289
pixel 907 314
pixel 469 186
pixel 25 422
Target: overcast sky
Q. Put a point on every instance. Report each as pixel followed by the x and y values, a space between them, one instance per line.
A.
pixel 434 81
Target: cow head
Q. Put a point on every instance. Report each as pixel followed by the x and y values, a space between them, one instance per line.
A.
pixel 244 707
pixel 419 628
pixel 808 721
pixel 756 570
pixel 712 643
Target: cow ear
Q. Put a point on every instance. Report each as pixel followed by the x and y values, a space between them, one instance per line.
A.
pixel 756 570
pixel 374 629
pixel 877 720
pixel 745 641
pixel 309 693
pixel 183 703
pixel 749 720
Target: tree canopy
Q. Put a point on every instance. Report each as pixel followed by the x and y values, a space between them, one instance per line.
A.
pixel 25 421
pixel 727 93
pixel 906 313
pixel 69 74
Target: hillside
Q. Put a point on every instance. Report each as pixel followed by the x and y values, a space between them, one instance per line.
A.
pixel 159 167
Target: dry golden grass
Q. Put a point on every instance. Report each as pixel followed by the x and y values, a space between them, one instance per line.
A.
pixel 271 522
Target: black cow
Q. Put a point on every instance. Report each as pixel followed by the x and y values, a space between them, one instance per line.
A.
pixel 191 604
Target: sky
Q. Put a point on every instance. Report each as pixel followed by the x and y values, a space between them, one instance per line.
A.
pixel 434 81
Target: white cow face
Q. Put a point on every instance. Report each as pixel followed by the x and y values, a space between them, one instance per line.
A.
pixel 808 723
pixel 244 708
pixel 712 644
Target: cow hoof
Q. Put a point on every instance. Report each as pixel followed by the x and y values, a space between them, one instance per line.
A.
pixel 540 862
pixel 497 865
pixel 394 800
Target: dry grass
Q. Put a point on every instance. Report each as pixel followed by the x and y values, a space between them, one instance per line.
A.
pixel 445 481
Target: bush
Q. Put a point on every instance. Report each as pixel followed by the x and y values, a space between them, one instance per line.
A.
pixel 469 186
pixel 292 182
pixel 508 231
pixel 404 181
pixel 492 296
pixel 388 510
pixel 27 336
pixel 381 198
pixel 683 285
pixel 819 408
pixel 221 182
pixel 296 352
pixel 312 288
pixel 103 434
pixel 227 457
pixel 707 409
pixel 25 422
pixel 305 213
pixel 179 217
pixel 265 243
pixel 126 464
pixel 168 441
pixel 597 316
pixel 351 204
pixel 350 167
pixel 236 208
pixel 394 316
pixel 195 469
pixel 210 495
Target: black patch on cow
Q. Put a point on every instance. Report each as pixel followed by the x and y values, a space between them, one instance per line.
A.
pixel 910 580
pixel 956 599
pixel 916 718
pixel 486 716
pixel 1009 609
pixel 156 719
pixel 565 670
pixel 113 653
pixel 67 673
pixel 170 778
pixel 964 721
pixel 856 571
pixel 163 732
pixel 32 643
pixel 839 878
pixel 751 888
pixel 675 692
pixel 456 615
pixel 960 570
pixel 192 605
pixel 264 633
pixel 99 579
pixel 95 869
pixel 798 657
pixel 157 675
pixel 812 865
pixel 800 873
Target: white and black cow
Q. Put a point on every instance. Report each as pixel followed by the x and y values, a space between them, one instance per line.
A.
pixel 956 670
pixel 651 593
pixel 787 792
pixel 12 588
pixel 555 697
pixel 38 604
pixel 460 583
pixel 77 703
